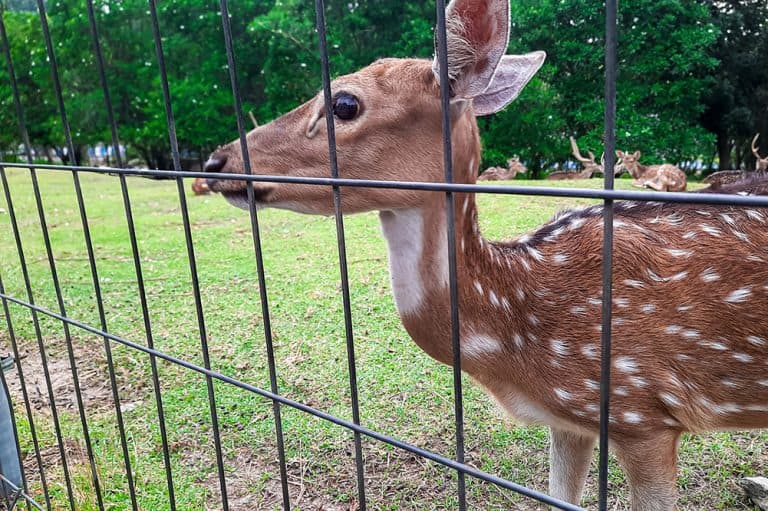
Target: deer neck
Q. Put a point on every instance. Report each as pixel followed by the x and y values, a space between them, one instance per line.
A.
pixel 417 242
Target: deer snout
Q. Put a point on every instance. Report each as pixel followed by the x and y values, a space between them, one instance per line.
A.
pixel 215 163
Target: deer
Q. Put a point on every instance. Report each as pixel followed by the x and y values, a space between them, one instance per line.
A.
pixel 514 167
pixel 761 164
pixel 662 178
pixel 589 164
pixel 690 282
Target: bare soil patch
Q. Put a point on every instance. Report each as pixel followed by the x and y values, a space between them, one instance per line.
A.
pixel 92 372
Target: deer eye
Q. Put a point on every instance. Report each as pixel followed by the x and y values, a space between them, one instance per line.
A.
pixel 345 106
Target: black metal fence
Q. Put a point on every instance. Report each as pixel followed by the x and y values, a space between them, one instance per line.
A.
pixel 29 302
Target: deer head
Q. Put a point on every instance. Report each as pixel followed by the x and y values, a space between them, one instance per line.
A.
pixel 392 99
pixel 589 164
pixel 628 163
pixel 761 164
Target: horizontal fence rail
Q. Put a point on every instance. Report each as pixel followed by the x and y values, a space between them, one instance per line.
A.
pixel 36 489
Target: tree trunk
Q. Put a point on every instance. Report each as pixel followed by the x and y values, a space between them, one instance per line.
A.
pixel 724 150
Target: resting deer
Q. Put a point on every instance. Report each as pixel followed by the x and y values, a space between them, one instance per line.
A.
pixel 690 282
pixel 662 178
pixel 589 164
pixel 514 167
pixel 761 164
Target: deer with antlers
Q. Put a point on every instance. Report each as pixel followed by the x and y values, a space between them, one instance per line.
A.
pixel 590 165
pixel 662 178
pixel 761 164
pixel 690 282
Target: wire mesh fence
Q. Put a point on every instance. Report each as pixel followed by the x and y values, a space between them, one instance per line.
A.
pixel 56 484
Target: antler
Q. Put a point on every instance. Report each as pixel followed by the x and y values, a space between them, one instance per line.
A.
pixel 578 155
pixel 754 146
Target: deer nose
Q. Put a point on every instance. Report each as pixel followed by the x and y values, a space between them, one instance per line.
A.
pixel 215 163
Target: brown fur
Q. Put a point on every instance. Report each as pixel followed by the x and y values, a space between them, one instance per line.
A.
pixel 761 164
pixel 755 184
pixel 690 284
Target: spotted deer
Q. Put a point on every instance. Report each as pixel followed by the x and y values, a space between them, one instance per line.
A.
pixel 761 164
pixel 589 164
pixel 662 178
pixel 690 282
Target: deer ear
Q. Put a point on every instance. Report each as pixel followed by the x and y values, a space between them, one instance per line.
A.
pixel 477 34
pixel 513 73
pixel 619 153
pixel 637 155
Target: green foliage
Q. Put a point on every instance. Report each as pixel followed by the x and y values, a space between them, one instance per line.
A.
pixel 687 73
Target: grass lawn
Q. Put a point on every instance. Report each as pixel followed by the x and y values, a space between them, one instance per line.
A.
pixel 403 392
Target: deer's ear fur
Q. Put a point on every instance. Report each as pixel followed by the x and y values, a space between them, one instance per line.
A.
pixel 477 34
pixel 513 72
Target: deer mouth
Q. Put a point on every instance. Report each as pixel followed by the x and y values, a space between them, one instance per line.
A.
pixel 262 194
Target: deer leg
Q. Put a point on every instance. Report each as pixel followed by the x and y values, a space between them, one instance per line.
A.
pixel 570 456
pixel 651 467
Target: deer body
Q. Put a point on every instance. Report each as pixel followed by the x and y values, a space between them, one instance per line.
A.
pixel 662 178
pixel 689 332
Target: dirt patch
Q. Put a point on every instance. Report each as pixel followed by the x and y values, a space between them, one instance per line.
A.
pixel 51 458
pixel 92 372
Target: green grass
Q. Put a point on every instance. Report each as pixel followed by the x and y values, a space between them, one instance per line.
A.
pixel 403 392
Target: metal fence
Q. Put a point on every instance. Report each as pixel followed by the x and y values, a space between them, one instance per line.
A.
pixel 463 470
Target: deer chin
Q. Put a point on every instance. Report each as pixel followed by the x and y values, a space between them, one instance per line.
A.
pixel 239 198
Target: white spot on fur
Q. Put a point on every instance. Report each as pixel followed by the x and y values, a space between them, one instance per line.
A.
pixel 638 382
pixel 648 308
pixel 578 310
pixel 654 277
pixel 691 334
pixel 592 384
pixel 533 319
pixel 711 230
pixel 479 346
pixel 670 399
pixel 518 340
pixel 673 329
pixel 634 283
pixel 740 295
pixel 493 298
pixel 710 275
pixel 560 347
pixel 621 302
pixel 563 394
pixel 595 301
pixel 740 235
pixel 727 218
pixel 684 307
pixel 621 391
pixel 755 340
pixel 633 417
pixel 536 254
pixel 560 258
pixel 479 288
pixel 743 357
pixel 505 302
pixel 625 364
pixel 589 351
pixel 671 422
pixel 689 235
pixel 764 383
pixel 678 276
pixel 520 294
pixel 754 215
pixel 676 252
pixel 714 345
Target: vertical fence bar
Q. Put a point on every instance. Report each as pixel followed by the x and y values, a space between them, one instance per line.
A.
pixel 325 67
pixel 135 253
pixel 256 236
pixel 442 56
pixel 25 396
pixel 610 145
pixel 86 231
pixel 40 346
pixel 190 253
pixel 25 139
